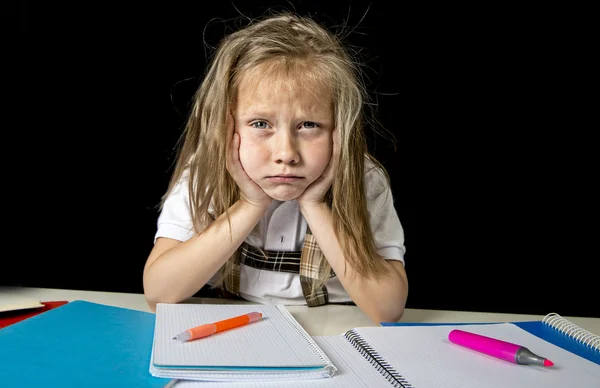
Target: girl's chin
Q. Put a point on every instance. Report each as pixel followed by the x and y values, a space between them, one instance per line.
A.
pixel 284 194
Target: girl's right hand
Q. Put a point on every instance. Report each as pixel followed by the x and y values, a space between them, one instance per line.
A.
pixel 249 190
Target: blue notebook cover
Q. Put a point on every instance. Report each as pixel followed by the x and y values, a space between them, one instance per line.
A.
pixel 80 344
pixel 537 328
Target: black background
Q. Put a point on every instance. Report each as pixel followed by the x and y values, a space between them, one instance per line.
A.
pixel 103 90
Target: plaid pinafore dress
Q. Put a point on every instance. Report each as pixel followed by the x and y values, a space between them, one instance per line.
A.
pixel 308 263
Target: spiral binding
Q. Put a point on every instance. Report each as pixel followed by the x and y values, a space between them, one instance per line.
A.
pixel 377 361
pixel 572 330
pixel 330 369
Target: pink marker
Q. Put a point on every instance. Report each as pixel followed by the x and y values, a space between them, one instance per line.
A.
pixel 500 349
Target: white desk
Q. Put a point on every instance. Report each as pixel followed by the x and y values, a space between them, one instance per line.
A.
pixel 323 320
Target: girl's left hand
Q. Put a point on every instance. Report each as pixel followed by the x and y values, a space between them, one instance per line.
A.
pixel 315 192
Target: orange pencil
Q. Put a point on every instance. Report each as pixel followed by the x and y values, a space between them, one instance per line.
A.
pixel 216 327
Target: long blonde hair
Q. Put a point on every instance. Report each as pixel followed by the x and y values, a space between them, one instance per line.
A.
pixel 298 43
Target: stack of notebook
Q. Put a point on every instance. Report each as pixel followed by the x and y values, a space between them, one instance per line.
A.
pixel 397 356
pixel 274 348
pixel 83 344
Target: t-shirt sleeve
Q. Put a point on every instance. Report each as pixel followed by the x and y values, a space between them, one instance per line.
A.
pixel 385 223
pixel 175 218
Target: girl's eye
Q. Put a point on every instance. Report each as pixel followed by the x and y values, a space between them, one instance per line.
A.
pixel 260 125
pixel 309 124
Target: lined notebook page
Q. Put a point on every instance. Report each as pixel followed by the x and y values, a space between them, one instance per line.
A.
pixel 427 359
pixel 273 341
pixel 353 372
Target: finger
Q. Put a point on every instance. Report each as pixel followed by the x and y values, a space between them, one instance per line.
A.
pixel 336 144
pixel 230 123
pixel 233 155
pixel 334 154
pixel 230 126
pixel 236 168
pixel 235 148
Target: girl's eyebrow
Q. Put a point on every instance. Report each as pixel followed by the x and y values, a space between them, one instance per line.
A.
pixel 261 111
pixel 256 112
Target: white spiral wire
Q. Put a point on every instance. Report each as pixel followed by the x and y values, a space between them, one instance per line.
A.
pixel 572 330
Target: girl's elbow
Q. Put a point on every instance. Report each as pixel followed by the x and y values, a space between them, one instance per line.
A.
pixel 396 316
pixel 391 310
pixel 155 294
pixel 151 305
pixel 388 315
pixel 153 300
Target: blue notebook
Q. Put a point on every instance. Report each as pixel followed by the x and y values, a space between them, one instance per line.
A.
pixel 552 328
pixel 80 344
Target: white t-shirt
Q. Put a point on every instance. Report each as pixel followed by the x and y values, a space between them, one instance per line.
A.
pixel 282 228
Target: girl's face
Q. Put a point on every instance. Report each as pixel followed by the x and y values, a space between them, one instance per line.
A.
pixel 285 133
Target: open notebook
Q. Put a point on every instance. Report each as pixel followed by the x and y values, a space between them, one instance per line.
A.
pixel 422 357
pixel 274 348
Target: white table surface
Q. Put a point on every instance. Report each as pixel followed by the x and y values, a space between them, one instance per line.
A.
pixel 323 320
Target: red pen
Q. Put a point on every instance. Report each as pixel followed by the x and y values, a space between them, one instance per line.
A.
pixel 514 353
pixel 216 327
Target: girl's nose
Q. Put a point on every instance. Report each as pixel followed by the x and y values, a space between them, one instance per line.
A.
pixel 286 150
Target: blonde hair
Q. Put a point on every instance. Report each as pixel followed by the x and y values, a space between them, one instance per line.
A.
pixel 295 46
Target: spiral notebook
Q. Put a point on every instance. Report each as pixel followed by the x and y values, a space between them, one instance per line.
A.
pixel 420 356
pixel 274 348
pixel 553 328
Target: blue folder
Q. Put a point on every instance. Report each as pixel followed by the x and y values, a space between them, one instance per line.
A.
pixel 80 344
pixel 537 328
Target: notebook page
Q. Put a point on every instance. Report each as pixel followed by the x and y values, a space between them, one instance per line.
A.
pixel 273 341
pixel 427 359
pixel 353 371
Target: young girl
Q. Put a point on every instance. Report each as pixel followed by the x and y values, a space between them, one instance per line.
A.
pixel 274 197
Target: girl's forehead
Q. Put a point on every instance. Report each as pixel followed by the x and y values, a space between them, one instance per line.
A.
pixel 283 80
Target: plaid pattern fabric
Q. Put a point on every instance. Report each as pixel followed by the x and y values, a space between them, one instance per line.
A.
pixel 277 261
pixel 308 263
pixel 231 281
pixel 312 264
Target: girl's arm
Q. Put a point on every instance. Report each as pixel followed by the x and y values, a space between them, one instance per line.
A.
pixel 176 270
pixel 382 298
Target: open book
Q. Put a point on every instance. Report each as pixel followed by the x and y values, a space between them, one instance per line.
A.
pixel 274 348
pixel 422 357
